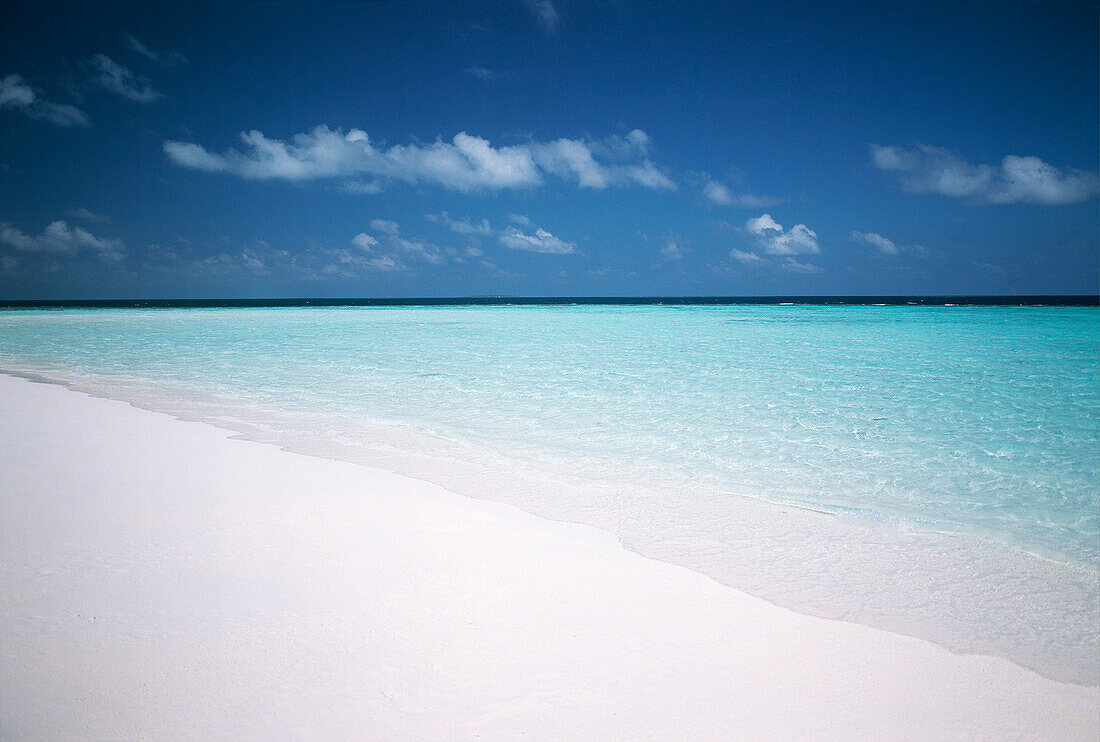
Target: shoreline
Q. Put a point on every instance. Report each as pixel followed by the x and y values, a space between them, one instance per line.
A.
pixel 162 578
pixel 807 560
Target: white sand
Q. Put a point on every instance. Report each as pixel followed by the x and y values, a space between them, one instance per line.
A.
pixel 159 580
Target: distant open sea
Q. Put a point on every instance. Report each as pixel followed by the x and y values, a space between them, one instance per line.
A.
pixel 930 469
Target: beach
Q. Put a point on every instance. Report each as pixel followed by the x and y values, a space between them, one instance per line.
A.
pixel 549 370
pixel 929 471
pixel 164 580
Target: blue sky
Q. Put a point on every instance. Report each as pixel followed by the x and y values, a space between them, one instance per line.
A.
pixel 281 149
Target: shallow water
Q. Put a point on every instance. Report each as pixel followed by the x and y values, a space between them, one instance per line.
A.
pixel 955 448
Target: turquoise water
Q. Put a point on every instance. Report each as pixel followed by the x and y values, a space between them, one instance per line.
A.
pixel 977 419
pixel 982 422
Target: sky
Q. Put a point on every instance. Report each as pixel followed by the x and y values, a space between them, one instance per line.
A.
pixel 548 148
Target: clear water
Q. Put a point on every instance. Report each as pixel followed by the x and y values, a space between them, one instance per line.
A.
pixel 970 432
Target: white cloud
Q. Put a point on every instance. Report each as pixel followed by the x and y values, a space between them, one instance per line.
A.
pixel 348 263
pixel 136 46
pixel 18 95
pixel 59 238
pixel 799 240
pixel 461 226
pixel 521 219
pixel 14 93
pixel 672 250
pixel 258 258
pixel 638 138
pixel 390 251
pixel 466 253
pixel 794 266
pixel 384 263
pixel 570 157
pixel 361 186
pixel 364 241
pixel 626 161
pixel 893 158
pixel 88 216
pixel 745 257
pixel 254 264
pixel 464 164
pixel 385 226
pixel 483 74
pixel 1030 180
pixel 762 223
pixel 121 81
pixel 1018 180
pixel 545 13
pixel 874 239
pixel 420 249
pixel 541 241
pixel 195 157
pixel 720 194
pixel 647 174
pixel 311 262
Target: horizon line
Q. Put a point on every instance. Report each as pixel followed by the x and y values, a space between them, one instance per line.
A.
pixel 503 299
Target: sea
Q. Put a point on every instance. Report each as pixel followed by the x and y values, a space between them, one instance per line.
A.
pixel 926 466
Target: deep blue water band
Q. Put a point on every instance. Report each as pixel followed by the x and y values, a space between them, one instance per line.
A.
pixel 1065 300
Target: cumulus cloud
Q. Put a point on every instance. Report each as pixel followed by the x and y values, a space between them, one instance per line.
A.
pixel 625 161
pixel 541 241
pixel 385 226
pixel 389 251
pixel 364 241
pixel 117 79
pixel 461 226
pixel 17 95
pixel 195 157
pixel 545 13
pixel 720 194
pixel 570 157
pixel 1018 180
pixel 465 163
pixel 798 240
pixel 874 239
pixel 59 238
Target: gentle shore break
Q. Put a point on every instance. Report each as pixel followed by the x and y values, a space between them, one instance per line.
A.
pixel 161 580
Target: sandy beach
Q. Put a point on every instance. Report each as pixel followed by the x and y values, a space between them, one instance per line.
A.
pixel 162 580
